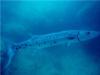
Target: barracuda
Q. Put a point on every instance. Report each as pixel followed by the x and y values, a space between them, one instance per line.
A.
pixel 28 47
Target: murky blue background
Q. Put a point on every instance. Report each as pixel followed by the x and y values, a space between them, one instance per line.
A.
pixel 22 19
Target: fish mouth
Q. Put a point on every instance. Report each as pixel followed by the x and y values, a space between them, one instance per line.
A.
pixel 78 37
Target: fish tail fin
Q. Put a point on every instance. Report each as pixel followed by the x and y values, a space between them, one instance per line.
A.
pixel 7 53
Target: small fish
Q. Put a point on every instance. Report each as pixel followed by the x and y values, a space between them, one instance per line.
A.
pixel 52 39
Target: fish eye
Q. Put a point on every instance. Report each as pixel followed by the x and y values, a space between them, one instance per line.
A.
pixel 87 33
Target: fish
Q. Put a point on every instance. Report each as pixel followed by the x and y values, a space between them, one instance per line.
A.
pixel 37 42
pixel 53 39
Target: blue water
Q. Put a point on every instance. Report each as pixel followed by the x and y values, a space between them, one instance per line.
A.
pixel 20 20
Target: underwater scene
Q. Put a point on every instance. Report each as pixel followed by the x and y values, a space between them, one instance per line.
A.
pixel 50 37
